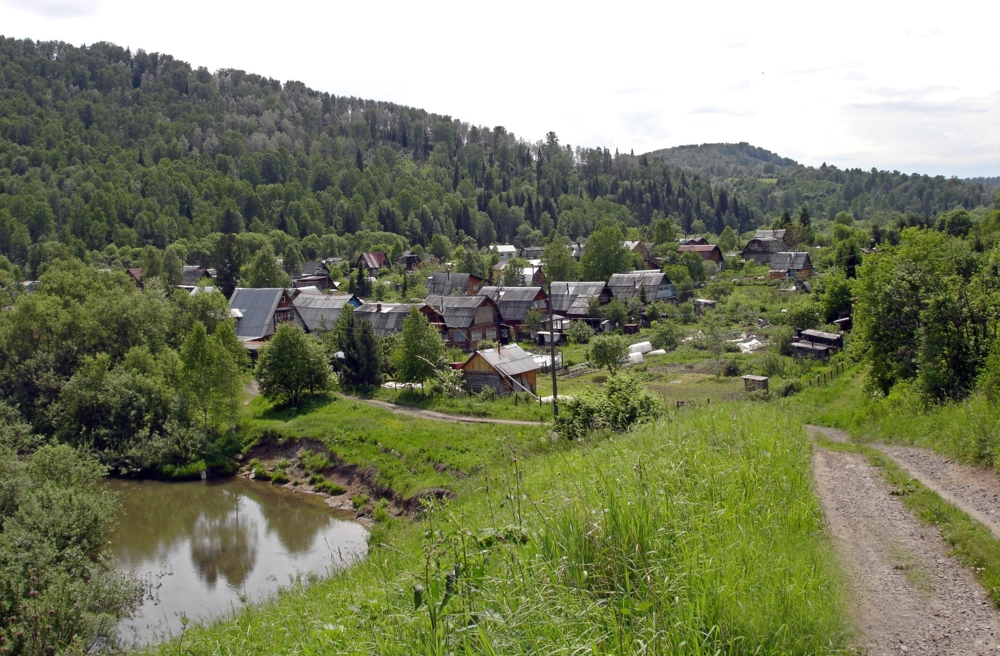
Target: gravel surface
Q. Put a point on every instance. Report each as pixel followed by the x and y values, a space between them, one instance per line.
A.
pixel 975 490
pixel 907 596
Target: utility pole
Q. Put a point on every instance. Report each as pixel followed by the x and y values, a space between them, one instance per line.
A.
pixel 552 350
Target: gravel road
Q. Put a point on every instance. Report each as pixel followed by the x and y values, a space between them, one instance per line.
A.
pixel 907 596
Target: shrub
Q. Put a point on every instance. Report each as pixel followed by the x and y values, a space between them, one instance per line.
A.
pixel 685 311
pixel 580 332
pixel 186 472
pixel 781 340
pixel 608 351
pixel 803 316
pixel 331 488
pixel 622 403
pixel 732 368
pixel 666 334
pixel 788 387
pixel 772 365
pixel 359 501
pixel 279 478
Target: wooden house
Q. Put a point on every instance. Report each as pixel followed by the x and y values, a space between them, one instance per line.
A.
pixel 504 251
pixel 761 250
pixel 507 369
pixel 135 274
pixel 515 303
pixel 409 260
pixel 386 318
pixel 572 300
pixel 692 241
pixel 192 275
pixel 464 321
pixel 796 266
pixel 833 340
pixel 319 312
pixel 259 312
pixel 373 262
pixel 707 252
pixel 448 284
pixel 648 285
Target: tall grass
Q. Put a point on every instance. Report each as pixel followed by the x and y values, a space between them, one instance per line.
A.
pixel 696 535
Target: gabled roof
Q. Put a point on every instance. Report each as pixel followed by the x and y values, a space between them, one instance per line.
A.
pixel 787 261
pixel 256 309
pixel 692 241
pixel 571 297
pixel 192 274
pixel 448 283
pixel 624 286
pixel 385 318
pixel 458 311
pixel 532 252
pixel 504 248
pixel 514 303
pixel 767 244
pixel 313 268
pixel 705 251
pixel 374 259
pixel 509 360
pixel 321 311
pixel 769 234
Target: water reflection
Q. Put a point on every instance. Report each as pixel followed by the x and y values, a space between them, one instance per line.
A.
pixel 204 547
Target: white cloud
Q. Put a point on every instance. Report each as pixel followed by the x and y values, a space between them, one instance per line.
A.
pixel 56 9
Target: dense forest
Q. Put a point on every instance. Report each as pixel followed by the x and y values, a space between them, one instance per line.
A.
pixel 103 151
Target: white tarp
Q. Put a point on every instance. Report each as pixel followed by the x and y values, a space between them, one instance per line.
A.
pixel 657 352
pixel 641 347
pixel 634 358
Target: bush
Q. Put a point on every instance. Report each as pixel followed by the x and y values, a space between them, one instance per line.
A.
pixel 788 387
pixel 260 473
pixel 608 351
pixel 772 365
pixel 666 334
pixel 685 311
pixel 359 501
pixel 781 340
pixel 313 462
pixel 279 478
pixel 328 487
pixel 732 368
pixel 803 316
pixel 622 403
pixel 187 472
pixel 580 332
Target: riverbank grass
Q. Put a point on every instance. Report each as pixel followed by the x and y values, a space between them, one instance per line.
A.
pixel 696 535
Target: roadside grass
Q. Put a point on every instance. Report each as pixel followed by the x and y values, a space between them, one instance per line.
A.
pixel 476 405
pixel 699 534
pixel 410 455
pixel 971 542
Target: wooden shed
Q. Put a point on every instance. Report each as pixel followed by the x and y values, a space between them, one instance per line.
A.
pixel 507 369
pixel 751 383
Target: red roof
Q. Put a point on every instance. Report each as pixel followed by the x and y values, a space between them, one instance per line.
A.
pixel 704 250
pixel 375 260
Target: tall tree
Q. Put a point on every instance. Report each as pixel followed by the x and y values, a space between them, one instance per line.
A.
pixel 228 258
pixel 420 351
pixel 263 270
pixel 558 264
pixel 604 254
pixel 290 364
pixel 360 364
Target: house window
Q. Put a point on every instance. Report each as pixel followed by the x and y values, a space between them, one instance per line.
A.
pixel 477 335
pixel 491 333
pixel 457 336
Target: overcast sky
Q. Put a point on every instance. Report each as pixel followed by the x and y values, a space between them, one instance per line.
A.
pixel 909 86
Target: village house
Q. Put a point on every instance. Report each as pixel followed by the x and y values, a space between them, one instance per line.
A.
pixel 571 300
pixel 448 284
pixel 707 252
pixel 320 311
pixel 192 275
pixel 135 274
pixel 532 252
pixel 796 266
pixel 646 285
pixel 386 318
pixel 372 262
pixel 770 234
pixel 409 260
pixel 464 321
pixel 692 241
pixel 515 303
pixel 313 274
pixel 507 369
pixel 504 251
pixel 760 250
pixel 259 312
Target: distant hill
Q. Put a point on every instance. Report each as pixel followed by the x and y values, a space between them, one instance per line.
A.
pixel 724 159
pixel 989 182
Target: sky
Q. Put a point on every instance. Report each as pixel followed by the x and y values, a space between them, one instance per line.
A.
pixel 912 87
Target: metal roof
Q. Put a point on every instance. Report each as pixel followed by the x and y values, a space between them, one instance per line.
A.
pixel 788 261
pixel 313 268
pixel 571 297
pixel 458 311
pixel 192 274
pixel 514 302
pixel 448 283
pixel 705 251
pixel 769 234
pixel 625 286
pixel 385 318
pixel 256 307
pixel 321 311
pixel 509 360
pixel 769 244
pixel 374 259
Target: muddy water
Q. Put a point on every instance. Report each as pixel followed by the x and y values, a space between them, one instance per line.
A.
pixel 203 548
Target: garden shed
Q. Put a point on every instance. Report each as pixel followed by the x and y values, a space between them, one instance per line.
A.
pixel 507 369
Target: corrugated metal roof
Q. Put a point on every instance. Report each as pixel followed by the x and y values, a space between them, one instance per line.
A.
pixel 375 259
pixel 570 297
pixel 514 303
pixel 192 274
pixel 313 268
pixel 257 307
pixel 458 311
pixel 625 286
pixel 766 244
pixel 509 360
pixel 447 284
pixel 385 318
pixel 769 234
pixel 787 261
pixel 321 311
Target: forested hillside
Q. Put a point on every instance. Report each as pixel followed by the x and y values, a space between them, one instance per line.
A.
pixel 102 146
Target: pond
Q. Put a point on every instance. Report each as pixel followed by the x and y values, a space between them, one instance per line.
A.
pixel 203 548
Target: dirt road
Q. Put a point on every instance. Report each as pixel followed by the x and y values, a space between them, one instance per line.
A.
pixel 441 416
pixel 907 595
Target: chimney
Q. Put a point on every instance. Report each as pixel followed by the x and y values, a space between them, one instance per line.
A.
pixel 378 307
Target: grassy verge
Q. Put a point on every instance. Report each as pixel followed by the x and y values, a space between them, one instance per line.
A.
pixel 471 406
pixel 410 455
pixel 970 541
pixel 696 535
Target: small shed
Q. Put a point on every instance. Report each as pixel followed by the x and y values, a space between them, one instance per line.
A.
pixel 752 383
pixel 702 304
pixel 507 369
pixel 833 340
pixel 809 350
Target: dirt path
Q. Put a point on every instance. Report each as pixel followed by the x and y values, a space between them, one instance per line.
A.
pixel 907 595
pixel 441 416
